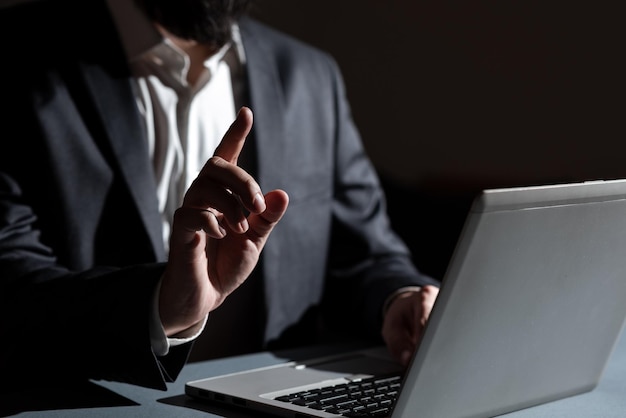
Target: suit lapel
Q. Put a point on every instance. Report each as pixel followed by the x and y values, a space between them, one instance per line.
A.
pixel 267 103
pixel 128 145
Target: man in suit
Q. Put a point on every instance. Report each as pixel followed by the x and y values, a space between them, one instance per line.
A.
pixel 126 219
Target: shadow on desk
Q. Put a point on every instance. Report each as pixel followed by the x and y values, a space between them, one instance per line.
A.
pixel 54 397
pixel 215 409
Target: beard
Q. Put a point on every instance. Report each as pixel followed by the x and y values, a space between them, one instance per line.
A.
pixel 204 21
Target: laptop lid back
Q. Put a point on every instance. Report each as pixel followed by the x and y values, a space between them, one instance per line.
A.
pixel 531 306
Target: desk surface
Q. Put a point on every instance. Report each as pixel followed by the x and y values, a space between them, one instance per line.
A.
pixel 107 399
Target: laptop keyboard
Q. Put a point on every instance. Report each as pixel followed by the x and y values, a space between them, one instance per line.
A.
pixel 371 397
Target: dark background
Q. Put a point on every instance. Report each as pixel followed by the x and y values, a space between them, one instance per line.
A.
pixel 454 97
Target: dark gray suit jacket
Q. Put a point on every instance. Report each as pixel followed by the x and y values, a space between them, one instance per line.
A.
pixel 80 233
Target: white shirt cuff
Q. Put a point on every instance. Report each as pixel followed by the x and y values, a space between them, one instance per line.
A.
pixel 391 297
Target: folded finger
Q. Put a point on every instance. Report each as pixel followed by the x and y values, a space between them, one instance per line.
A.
pixel 206 193
pixel 188 221
pixel 220 173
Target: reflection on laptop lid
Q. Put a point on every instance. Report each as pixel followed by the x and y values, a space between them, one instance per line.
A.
pixel 529 311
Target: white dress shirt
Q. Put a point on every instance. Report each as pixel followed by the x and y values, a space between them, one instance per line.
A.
pixel 183 123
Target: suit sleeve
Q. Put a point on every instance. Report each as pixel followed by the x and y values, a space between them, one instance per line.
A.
pixel 73 325
pixel 368 260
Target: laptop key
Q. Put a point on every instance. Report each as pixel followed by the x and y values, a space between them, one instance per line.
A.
pixel 372 397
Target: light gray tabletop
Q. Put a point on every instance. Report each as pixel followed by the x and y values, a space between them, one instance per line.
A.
pixel 107 399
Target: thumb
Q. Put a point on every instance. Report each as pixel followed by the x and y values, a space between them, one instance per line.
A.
pixel 262 224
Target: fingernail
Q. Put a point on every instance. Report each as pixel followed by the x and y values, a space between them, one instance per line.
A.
pixel 258 202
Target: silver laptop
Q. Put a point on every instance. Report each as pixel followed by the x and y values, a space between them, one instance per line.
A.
pixel 531 306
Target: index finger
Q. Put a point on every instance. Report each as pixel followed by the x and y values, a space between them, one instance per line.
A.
pixel 231 144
